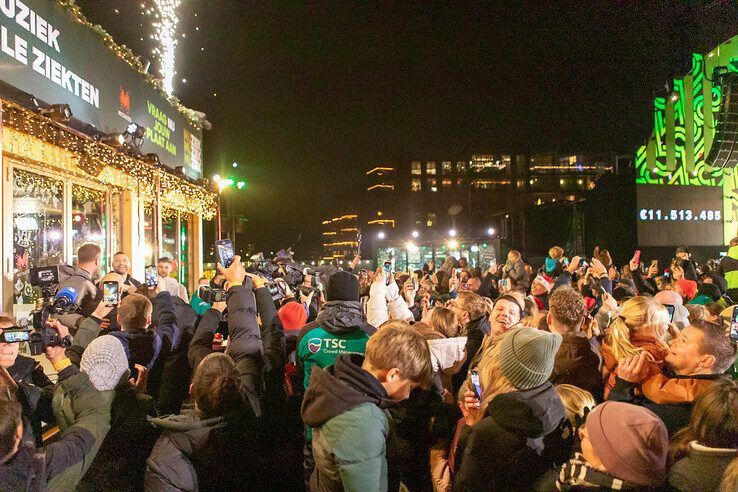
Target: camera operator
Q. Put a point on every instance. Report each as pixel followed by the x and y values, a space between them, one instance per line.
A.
pixel 227 391
pixel 58 466
pixel 81 278
pixel 32 381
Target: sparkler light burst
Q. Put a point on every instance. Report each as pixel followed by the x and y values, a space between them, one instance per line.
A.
pixel 166 36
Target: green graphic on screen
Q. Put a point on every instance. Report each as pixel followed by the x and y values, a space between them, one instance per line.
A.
pixel 683 132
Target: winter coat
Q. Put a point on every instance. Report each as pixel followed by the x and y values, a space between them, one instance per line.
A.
pixel 210 453
pixel 385 302
pixel 121 461
pixel 578 362
pixel 144 347
pixel 169 379
pixel 344 404
pixel 519 276
pixel 81 281
pixel 38 393
pixel 522 434
pixel 340 328
pixel 701 469
pixel 61 465
pixel 728 268
pixel 475 332
pixel 675 396
pixel 656 348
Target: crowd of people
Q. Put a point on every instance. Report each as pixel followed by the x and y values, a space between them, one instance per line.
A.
pixel 570 375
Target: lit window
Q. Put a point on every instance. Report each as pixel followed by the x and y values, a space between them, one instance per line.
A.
pixel 415 167
pixel 446 167
pixel 415 186
pixel 460 166
pixel 431 185
pixel 430 168
pixel 446 183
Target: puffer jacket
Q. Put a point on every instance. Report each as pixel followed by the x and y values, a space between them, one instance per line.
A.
pixel 344 404
pixel 522 435
pixel 209 454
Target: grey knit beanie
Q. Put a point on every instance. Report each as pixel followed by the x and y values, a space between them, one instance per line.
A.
pixel 527 356
pixel 104 360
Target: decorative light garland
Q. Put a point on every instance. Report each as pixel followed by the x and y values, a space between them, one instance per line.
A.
pixel 97 159
pixel 166 35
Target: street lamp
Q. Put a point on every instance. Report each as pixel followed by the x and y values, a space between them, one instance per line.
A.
pixel 222 184
pixel 452 232
pixel 381 235
pixel 416 234
pixel 491 231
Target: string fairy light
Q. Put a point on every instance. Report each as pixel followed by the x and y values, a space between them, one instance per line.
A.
pixel 92 158
pixel 166 36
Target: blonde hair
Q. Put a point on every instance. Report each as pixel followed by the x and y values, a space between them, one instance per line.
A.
pixel 491 379
pixel 446 322
pixel 638 314
pixel 396 344
pixel 556 252
pixel 576 402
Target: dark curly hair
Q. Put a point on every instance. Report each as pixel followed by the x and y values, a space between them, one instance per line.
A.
pixel 216 386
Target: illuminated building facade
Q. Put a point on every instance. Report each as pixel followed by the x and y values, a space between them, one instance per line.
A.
pixel 340 237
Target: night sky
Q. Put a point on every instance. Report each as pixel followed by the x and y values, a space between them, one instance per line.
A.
pixel 307 97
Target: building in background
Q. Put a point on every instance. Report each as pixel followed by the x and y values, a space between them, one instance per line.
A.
pixel 340 237
pixel 473 199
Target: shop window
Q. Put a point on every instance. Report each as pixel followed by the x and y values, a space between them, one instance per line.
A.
pixel 148 227
pixel 430 168
pixel 38 233
pixel 184 244
pixel 446 167
pixel 415 185
pixel 415 167
pixel 89 220
pixel 169 232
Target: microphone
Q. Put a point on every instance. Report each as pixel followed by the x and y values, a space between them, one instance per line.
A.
pixel 65 300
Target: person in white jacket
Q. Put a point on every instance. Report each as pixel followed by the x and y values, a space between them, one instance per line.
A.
pixel 385 301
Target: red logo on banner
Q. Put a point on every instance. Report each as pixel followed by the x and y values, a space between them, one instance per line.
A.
pixel 124 100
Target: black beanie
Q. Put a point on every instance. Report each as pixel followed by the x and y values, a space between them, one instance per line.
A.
pixel 342 286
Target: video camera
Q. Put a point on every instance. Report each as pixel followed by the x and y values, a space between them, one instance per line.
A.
pixel 37 340
pixel 211 294
pixel 52 303
pixel 282 266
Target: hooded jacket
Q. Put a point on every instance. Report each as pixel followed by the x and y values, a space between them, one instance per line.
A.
pixel 344 404
pixel 219 453
pixel 341 328
pixel 81 281
pixel 578 362
pixel 522 434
